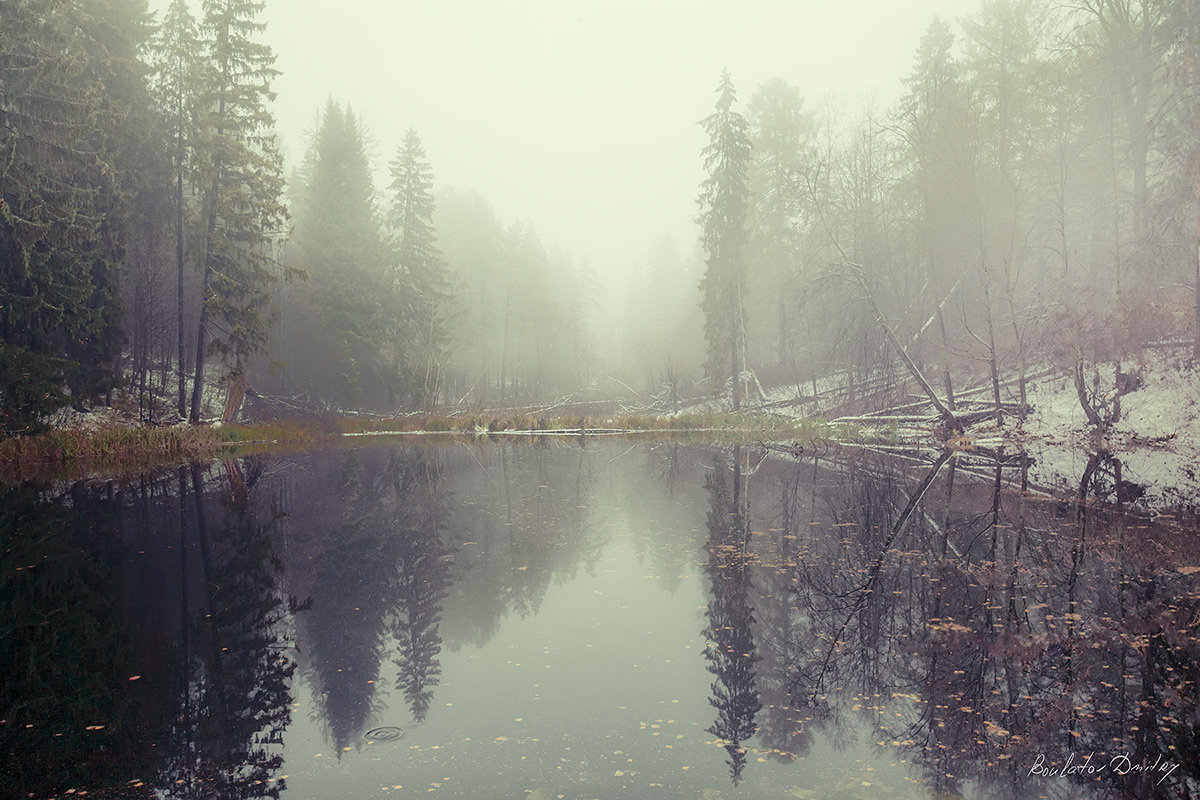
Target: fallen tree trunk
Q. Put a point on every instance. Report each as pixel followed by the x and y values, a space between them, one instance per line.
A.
pixel 953 426
pixel 951 422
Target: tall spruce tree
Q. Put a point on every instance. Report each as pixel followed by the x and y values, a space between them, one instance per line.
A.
pixel 780 137
pixel 723 203
pixel 931 120
pixel 241 178
pixel 68 79
pixel 176 57
pixel 421 275
pixel 339 244
pixel 128 133
pixel 112 34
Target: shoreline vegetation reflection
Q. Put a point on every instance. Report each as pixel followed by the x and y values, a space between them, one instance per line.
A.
pixel 163 634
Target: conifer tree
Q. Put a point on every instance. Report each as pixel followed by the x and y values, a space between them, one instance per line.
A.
pixel 176 54
pixel 780 137
pixel 128 132
pixel 241 183
pixel 932 120
pixel 421 274
pixel 339 244
pixel 723 202
pixel 66 88
pixel 123 129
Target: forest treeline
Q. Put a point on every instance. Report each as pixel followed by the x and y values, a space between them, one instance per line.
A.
pixel 1030 201
pixel 152 243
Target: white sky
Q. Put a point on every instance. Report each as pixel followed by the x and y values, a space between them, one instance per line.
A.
pixel 579 116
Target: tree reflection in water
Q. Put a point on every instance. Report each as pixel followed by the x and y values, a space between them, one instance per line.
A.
pixel 236 661
pixel 421 575
pixel 991 634
pixel 371 565
pixel 731 652
pixel 64 661
pixel 155 642
pixel 377 546
pixel 950 614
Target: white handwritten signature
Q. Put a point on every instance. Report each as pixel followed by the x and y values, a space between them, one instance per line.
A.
pixel 1091 765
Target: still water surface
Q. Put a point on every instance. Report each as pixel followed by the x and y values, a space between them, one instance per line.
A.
pixel 620 620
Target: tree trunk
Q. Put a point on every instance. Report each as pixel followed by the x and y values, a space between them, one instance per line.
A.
pixel 1196 310
pixel 206 283
pixel 737 345
pixel 1081 393
pixel 945 361
pixel 735 373
pixel 783 325
pixel 233 403
pixel 145 397
pixel 504 337
pixel 179 293
pixel 202 328
pixel 992 364
pixel 179 252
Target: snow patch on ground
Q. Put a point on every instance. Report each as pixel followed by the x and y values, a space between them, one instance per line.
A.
pixel 1157 439
pixel 1168 405
pixel 125 413
pixel 70 419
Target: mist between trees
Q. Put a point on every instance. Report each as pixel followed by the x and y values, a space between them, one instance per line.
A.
pixel 1030 203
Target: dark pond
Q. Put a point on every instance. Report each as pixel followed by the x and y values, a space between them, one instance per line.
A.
pixel 620 620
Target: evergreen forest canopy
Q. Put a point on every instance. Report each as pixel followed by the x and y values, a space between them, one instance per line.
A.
pixel 1031 201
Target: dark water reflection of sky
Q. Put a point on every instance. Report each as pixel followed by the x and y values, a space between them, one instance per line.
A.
pixel 658 620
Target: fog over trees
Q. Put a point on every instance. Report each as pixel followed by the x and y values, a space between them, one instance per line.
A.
pixel 1029 203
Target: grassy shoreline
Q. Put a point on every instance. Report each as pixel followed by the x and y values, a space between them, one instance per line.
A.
pixel 124 449
pixel 116 448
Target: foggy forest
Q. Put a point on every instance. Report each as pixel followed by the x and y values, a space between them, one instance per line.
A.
pixel 1028 203
pixel 531 399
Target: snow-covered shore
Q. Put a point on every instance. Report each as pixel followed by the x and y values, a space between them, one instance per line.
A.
pixel 1157 439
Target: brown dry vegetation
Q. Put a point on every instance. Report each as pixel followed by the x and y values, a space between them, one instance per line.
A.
pixel 127 449
pixel 119 448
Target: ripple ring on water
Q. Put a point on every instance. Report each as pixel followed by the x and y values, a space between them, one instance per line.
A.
pixel 386 733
